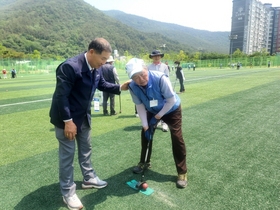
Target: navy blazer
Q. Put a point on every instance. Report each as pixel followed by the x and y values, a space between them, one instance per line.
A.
pixel 75 88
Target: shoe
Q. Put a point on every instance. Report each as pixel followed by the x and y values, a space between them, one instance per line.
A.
pixel 182 181
pixel 139 168
pixel 105 113
pixel 113 113
pixel 164 127
pixel 73 202
pixel 136 115
pixel 94 183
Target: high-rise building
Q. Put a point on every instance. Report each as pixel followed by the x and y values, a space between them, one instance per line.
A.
pixel 275 40
pixel 255 27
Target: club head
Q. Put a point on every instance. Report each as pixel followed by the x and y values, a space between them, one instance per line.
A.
pixel 138 185
pixel 141 185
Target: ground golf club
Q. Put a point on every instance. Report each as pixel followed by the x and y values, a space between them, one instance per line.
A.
pixel 142 185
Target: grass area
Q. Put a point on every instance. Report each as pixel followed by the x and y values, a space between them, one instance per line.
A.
pixel 231 128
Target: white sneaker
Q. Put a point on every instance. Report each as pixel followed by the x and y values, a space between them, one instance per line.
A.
pixel 73 202
pixel 94 183
pixel 164 127
pixel 136 115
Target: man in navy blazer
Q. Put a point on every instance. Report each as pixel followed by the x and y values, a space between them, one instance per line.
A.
pixel 76 81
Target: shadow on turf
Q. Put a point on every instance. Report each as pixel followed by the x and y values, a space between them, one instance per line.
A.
pixel 117 186
pixel 118 116
pixel 49 197
pixel 137 128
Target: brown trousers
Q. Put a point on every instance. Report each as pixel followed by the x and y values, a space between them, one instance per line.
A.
pixel 174 122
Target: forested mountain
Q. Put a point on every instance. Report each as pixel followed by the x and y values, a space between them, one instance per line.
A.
pixel 65 27
pixel 197 39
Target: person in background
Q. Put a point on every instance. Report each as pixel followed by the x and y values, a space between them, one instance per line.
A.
pixel 193 67
pixel 4 72
pixel 77 78
pixel 157 65
pixel 238 66
pixel 180 76
pixel 13 73
pixel 110 74
pixel 153 95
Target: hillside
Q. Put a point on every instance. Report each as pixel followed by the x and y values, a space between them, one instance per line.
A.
pixel 197 39
pixel 65 27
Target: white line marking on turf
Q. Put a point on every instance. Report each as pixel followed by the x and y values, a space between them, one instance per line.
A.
pixel 224 75
pixel 189 80
pixel 26 102
pixel 166 199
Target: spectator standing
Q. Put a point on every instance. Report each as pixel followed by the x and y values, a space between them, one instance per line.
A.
pixel 13 73
pixel 4 72
pixel 238 65
pixel 180 76
pixel 110 74
pixel 157 65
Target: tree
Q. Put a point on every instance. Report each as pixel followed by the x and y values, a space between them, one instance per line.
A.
pixel 181 56
pixel 36 55
pixel 238 53
pixel 196 56
pixel 2 50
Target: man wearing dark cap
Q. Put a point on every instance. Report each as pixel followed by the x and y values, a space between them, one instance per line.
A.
pixel 157 65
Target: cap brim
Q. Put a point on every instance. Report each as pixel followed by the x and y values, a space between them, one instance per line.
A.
pixel 162 55
pixel 134 72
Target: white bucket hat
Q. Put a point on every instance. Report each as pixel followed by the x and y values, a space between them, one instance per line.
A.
pixel 134 65
pixel 111 59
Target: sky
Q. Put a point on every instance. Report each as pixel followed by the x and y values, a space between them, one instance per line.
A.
pixel 211 15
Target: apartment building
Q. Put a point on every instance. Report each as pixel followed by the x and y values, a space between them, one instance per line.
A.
pixel 255 27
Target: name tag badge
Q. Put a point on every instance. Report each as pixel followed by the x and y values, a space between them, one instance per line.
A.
pixel 153 103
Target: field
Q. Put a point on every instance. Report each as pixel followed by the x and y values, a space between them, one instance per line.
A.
pixel 231 128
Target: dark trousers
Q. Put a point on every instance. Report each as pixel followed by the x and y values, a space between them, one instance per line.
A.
pixel 106 96
pixel 174 122
pixel 182 88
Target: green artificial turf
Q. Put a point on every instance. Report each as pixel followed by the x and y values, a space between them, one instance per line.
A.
pixel 230 126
